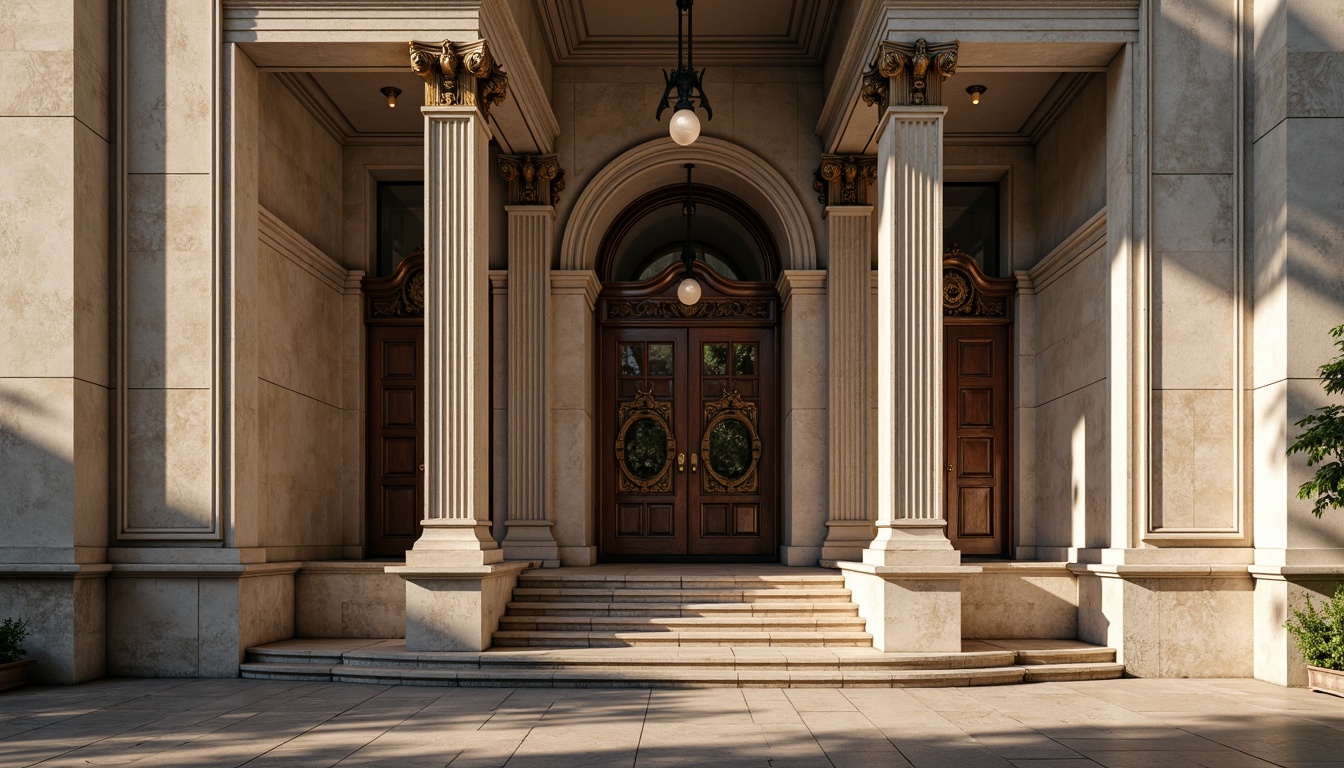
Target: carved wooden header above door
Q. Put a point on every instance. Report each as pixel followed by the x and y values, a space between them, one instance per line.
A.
pixel 967 292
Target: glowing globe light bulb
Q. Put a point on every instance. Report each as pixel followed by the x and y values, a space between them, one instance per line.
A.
pixel 685 127
pixel 688 292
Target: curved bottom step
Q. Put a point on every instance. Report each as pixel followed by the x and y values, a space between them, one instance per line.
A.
pixel 690 677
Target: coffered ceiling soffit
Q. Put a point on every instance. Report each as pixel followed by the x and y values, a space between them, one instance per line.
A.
pixel 727 32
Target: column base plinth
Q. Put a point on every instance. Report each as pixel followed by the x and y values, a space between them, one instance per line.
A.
pixel 455 544
pixel 846 540
pixel 456 609
pixel 914 609
pixel 531 540
pixel 919 542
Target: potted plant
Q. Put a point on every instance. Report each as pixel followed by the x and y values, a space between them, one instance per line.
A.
pixel 13 669
pixel 1320 638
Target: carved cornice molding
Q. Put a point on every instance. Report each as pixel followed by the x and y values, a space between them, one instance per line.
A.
pixel 672 308
pixel 909 74
pixel 459 75
pixel 844 179
pixel 533 179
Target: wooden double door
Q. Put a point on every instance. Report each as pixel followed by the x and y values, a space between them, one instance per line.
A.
pixel 689 443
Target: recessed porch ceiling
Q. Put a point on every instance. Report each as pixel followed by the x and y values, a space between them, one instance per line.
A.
pixel 726 31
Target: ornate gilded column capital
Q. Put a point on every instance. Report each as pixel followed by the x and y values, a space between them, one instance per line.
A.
pixel 533 179
pixel 844 179
pixel 459 75
pixel 909 74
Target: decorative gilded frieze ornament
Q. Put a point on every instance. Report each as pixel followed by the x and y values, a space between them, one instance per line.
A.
pixel 909 74
pixel 967 292
pixel 844 179
pixel 670 308
pixel 459 75
pixel 533 179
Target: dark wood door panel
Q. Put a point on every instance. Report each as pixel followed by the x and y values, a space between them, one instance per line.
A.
pixel 395 444
pixel 976 370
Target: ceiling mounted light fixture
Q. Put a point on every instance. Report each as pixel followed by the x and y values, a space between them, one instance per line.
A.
pixel 685 126
pixel 688 292
pixel 391 92
pixel 975 91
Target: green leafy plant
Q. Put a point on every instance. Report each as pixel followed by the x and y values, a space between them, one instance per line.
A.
pixel 12 634
pixel 1320 635
pixel 1323 440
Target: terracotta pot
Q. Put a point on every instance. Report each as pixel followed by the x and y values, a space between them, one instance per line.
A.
pixel 1325 680
pixel 14 673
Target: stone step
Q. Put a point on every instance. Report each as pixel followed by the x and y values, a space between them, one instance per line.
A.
pixel 853 658
pixel 551 579
pixel 597 639
pixel 770 608
pixel 679 596
pixel 678 677
pixel 725 622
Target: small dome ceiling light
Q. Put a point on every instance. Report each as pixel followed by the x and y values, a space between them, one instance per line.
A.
pixel 688 292
pixel 391 92
pixel 976 91
pixel 685 126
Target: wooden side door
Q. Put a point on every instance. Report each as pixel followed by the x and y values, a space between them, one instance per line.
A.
pixel 976 376
pixel 731 421
pixel 396 500
pixel 644 395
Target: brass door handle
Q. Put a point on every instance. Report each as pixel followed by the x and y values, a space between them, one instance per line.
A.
pixel 681 461
pixel 695 462
pixel 422 467
pixel 949 467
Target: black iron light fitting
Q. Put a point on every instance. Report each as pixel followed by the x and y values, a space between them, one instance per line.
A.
pixel 688 292
pixel 685 126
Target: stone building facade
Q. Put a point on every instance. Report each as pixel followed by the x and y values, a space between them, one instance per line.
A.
pixel 230 372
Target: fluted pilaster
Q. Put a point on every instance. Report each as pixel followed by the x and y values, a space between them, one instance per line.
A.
pixel 848 288
pixel 457 363
pixel 531 234
pixel 910 341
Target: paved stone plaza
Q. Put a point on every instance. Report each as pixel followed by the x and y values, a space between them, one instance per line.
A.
pixel 1115 723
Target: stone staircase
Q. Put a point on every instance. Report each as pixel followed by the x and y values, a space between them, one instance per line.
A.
pixel 681 627
pixel 553 609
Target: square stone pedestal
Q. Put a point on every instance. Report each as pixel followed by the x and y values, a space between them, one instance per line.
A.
pixel 456 609
pixel 909 609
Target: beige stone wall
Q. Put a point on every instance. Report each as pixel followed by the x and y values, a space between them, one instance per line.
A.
pixel 55 371
pixel 1070 168
pixel 299 173
pixel 771 111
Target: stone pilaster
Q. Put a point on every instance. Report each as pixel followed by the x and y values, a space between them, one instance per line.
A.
pixel 531 234
pixel 849 526
pixel 574 422
pixel 803 387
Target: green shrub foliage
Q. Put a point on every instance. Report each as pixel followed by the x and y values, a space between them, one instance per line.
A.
pixel 1320 635
pixel 1323 440
pixel 12 634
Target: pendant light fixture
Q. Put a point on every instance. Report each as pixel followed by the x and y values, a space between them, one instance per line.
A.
pixel 685 126
pixel 688 292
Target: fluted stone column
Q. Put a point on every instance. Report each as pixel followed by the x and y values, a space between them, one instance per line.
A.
pixel 457 343
pixel 456 585
pixel 908 586
pixel 849 526
pixel 531 233
pixel 910 524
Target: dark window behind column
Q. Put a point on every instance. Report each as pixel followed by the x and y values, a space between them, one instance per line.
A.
pixel 971 223
pixel 401 222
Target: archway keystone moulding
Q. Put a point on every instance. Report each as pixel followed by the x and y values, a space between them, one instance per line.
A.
pixel 660 163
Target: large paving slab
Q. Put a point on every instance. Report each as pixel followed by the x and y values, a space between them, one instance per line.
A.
pixel 261 723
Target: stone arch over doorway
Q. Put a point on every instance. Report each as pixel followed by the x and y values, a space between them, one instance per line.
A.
pixel 659 163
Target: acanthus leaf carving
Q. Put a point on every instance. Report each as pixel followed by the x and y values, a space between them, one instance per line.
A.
pixel 909 74
pixel 459 75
